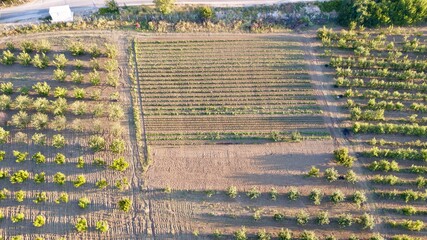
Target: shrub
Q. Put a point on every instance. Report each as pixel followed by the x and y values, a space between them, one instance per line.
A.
pixel 24 58
pixel 376 236
pixel 323 218
pixel 115 112
pixel 205 13
pixel 122 184
pixel 80 162
pixel 81 225
pixel 28 46
pixel 58 141
pixel 112 79
pixel 351 177
pixel 342 157
pixel 111 50
pixel 18 217
pixel 316 196
pixel 274 194
pixel 94 64
pixel 43 46
pixel 42 88
pixel 285 234
pixel 40 177
pixel 59 60
pixel 331 174
pixel 39 121
pixel 59 158
pixel 232 191
pixel 59 75
pixel 79 107
pixel 337 197
pixel 22 102
pixel 6 88
pixel 313 172
pixel 165 6
pixel 59 178
pixel 4 174
pixel 120 164
pixel 5 102
pixel 111 65
pixel 20 119
pixel 4 193
pixel 84 202
pixel 80 180
pixel 277 216
pixel 94 51
pixel 240 234
pixel 345 220
pixel 302 217
pixel 76 77
pixel 20 156
pixel 384 165
pixel 125 204
pixel 411 225
pixel 4 135
pixel 40 61
pixel 117 146
pixel 59 106
pixel 102 226
pixel 63 198
pixel 94 78
pixel 367 221
pixel 58 123
pixel 97 143
pixel 20 196
pixel 19 177
pixel 40 197
pixel 99 162
pixel 76 48
pixel 263 235
pixel 40 221
pixel 359 198
pixel 39 158
pixel 293 194
pixel 253 193
pixel 408 210
pixel 308 235
pixel 41 104
pixel 79 93
pixel 8 58
pixel 101 184
pixel 2 154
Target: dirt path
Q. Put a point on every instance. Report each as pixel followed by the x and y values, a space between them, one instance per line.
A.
pixel 323 85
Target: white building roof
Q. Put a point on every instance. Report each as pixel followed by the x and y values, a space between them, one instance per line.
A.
pixel 61 14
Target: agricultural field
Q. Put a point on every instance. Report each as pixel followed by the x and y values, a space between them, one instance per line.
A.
pixel 381 75
pixel 66 155
pixel 229 89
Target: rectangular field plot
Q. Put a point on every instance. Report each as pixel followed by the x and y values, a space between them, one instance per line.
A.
pixel 253 89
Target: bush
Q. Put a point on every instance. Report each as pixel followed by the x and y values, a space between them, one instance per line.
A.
pixel 76 77
pixel 80 162
pixel 19 177
pixel 115 112
pixel 345 220
pixel 63 198
pixel 58 141
pixel 313 172
pixel 80 180
pixel 102 226
pixel 18 217
pixel 253 193
pixel 28 46
pixel 6 88
pixel 240 234
pixel 316 196
pixel 125 204
pixel 101 184
pixel 367 221
pixel 39 158
pixel 4 135
pixel 302 217
pixel 59 178
pixel 117 146
pixel 337 197
pixel 94 51
pixel 40 221
pixel 111 50
pixel 331 174
pixel 41 104
pixel 59 158
pixel 274 194
pixel 42 88
pixel 5 102
pixel 40 197
pixel 263 235
pixel 81 225
pixel 76 48
pixel 122 184
pixel 20 196
pixel 39 121
pixel 408 210
pixel 20 156
pixel 24 58
pixel 308 235
pixel 40 177
pixel 323 218
pixel 359 198
pixel 120 164
pixel 59 75
pixel 20 119
pixel 8 58
pixel 232 191
pixel 411 225
pixel 4 193
pixel 40 61
pixel 43 46
pixel 84 202
pixel 79 93
pixel 351 177
pixel 342 157
pixel 94 78
pixel 293 194
pixel 205 13
pixel 165 6
pixel 285 234
pixel 384 165
pixel 59 60
pixel 376 236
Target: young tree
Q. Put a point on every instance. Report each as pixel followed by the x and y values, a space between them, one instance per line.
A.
pixel 120 164
pixel 367 221
pixel 63 198
pixel 59 60
pixel 42 88
pixel 59 158
pixel 102 226
pixel 232 191
pixel 253 193
pixel 81 225
pixel 313 172
pixel 40 177
pixel 40 221
pixel 293 194
pixel 59 178
pixel 40 197
pixel 39 158
pixel 97 143
pixel 80 180
pixel 359 198
pixel 345 220
pixel 323 218
pixel 331 174
pixel 125 204
pixel 58 141
pixel 84 202
pixel 18 217
pixel 240 234
pixel 101 184
pixel 285 234
pixel 165 6
pixel 20 156
pixel 337 197
pixel 20 196
pixel 342 157
pixel 316 196
pixel 19 176
pixel 302 217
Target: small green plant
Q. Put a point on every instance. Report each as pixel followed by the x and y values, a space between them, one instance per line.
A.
pixel 24 58
pixel 83 202
pixel 20 156
pixel 359 198
pixel 59 158
pixel 102 226
pixel 232 191
pixel 63 198
pixel 40 197
pixel 285 234
pixel 39 158
pixel 119 164
pixel 367 221
pixel 117 146
pixel 316 196
pixel 6 88
pixel 101 184
pixel 342 157
pixel 40 177
pixel 58 141
pixel 308 235
pixel 76 76
pixel 122 184
pixel 19 176
pixel 19 217
pixel 253 193
pixel 263 235
pixel 4 193
pixel 94 78
pixel 337 197
pixel 293 194
pixel 125 204
pixel 42 88
pixel 59 75
pixel 302 217
pixel 97 143
pixel 111 50
pixel 240 234
pixel 76 48
pixel 59 178
pixel 323 218
pixel 8 58
pixel 20 196
pixel 81 225
pixel 351 177
pixel 59 60
pixel 345 220
pixel 257 215
pixel 274 194
pixel 80 180
pixel 28 46
pixel 40 61
pixel 313 172
pixel 39 221
pixel 80 162
pixel 331 174
pixel 408 210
